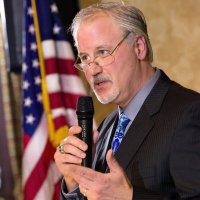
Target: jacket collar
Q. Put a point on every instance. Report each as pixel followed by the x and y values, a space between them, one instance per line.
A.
pixel 138 131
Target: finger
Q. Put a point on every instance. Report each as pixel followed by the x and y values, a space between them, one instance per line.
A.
pixel 64 140
pixel 63 159
pixel 85 183
pixel 57 157
pixel 73 150
pixel 88 177
pixel 83 190
pixel 74 141
pixel 85 171
pixel 71 159
pixel 112 162
pixel 74 130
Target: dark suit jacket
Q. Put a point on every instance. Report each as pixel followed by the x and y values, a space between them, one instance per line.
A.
pixel 160 152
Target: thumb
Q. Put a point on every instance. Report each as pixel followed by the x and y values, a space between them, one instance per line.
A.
pixel 112 162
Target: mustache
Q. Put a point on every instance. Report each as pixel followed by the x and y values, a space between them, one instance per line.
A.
pixel 100 78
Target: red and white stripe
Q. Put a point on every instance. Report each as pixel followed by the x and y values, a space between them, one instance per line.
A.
pixel 63 87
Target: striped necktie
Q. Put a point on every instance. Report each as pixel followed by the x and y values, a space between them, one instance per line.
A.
pixel 119 133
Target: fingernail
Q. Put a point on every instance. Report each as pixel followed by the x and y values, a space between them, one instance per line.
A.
pixel 83 155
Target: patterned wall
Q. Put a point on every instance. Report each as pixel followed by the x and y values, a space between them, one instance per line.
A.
pixel 174 29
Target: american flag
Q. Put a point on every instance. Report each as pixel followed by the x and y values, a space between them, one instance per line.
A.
pixel 50 88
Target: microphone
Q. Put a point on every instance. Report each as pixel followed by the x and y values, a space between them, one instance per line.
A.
pixel 85 112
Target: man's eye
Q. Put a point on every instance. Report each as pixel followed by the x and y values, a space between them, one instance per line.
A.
pixel 103 52
pixel 84 58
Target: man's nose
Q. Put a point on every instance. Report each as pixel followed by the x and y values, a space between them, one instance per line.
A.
pixel 94 67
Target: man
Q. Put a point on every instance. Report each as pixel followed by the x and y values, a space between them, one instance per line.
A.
pixel 159 154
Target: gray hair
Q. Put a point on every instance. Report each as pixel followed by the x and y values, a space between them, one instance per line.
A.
pixel 130 19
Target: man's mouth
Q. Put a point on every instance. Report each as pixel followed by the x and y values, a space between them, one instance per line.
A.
pixel 100 85
pixel 101 82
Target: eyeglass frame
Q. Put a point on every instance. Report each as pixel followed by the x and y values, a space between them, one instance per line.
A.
pixel 76 65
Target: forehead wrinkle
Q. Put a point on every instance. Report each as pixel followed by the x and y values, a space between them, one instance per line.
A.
pixel 103 31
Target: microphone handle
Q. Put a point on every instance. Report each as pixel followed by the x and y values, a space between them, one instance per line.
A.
pixel 87 137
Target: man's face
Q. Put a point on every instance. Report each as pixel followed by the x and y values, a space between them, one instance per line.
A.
pixel 116 82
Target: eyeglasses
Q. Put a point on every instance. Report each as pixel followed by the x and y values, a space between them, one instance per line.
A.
pixel 104 57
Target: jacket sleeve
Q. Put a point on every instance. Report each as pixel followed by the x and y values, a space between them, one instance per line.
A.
pixel 184 160
pixel 185 154
pixel 74 195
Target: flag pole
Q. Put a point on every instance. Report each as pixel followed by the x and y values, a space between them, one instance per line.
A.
pixel 45 96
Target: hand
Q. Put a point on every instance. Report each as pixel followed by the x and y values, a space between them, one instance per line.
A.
pixel 74 152
pixel 108 186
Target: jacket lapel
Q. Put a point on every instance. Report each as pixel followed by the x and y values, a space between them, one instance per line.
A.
pixel 104 142
pixel 134 137
pixel 143 123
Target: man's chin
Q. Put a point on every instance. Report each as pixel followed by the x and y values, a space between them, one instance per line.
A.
pixel 104 100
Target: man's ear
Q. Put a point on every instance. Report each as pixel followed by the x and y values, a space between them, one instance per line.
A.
pixel 140 47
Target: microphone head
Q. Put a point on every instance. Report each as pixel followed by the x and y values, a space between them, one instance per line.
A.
pixel 85 106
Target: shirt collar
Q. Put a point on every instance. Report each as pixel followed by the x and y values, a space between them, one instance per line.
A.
pixel 137 101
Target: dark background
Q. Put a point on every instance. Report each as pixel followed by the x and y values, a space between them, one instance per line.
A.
pixel 14 23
